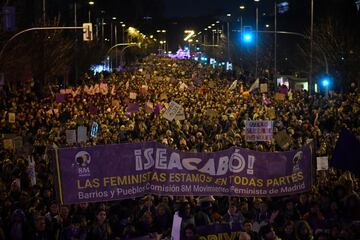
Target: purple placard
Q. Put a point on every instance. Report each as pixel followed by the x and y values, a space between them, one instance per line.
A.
pixel 133 108
pixel 59 98
pixel 121 171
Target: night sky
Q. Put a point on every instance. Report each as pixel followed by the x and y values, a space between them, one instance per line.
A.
pixel 191 8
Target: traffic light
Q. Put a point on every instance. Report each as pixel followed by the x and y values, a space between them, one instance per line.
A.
pixel 326 82
pixel 247 35
pixel 87 32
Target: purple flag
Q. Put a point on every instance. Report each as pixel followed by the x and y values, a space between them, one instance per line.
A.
pixel 157 109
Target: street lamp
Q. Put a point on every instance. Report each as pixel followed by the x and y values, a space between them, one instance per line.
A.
pixel 123 32
pixel 91 3
pixel 228 37
pixel 256 38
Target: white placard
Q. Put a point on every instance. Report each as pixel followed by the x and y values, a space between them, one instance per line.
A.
pixel 81 134
pixel 171 111
pixel 180 115
pixel 322 163
pixel 176 227
pixel 70 136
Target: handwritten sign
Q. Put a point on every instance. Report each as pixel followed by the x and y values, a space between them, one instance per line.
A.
pixel 11 117
pixel 180 115
pixel 70 136
pixel 8 144
pixel 280 97
pixel 283 139
pixel 322 163
pixel 133 95
pixel 171 111
pixel 81 134
pixel 258 131
pixel 263 87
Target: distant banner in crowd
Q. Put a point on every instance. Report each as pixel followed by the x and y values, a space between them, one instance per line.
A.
pixel 120 171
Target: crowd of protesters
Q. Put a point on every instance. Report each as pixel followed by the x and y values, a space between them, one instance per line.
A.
pixel 29 209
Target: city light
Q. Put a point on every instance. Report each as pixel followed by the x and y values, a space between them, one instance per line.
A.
pixel 242 7
pixel 247 37
pixel 326 82
pixel 91 3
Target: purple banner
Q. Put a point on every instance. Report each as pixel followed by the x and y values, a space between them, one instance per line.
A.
pixel 112 172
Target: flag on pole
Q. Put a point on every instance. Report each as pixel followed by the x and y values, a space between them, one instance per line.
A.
pixel 255 85
pixel 233 85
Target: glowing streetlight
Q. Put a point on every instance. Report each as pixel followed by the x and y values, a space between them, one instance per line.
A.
pixel 91 3
pixel 242 7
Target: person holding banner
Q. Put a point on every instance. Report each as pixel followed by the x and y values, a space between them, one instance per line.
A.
pixel 100 228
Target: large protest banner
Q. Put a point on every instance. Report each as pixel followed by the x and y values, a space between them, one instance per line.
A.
pixel 258 131
pixel 120 171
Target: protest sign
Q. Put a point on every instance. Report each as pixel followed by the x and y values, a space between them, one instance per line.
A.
pixel 171 111
pixel 133 95
pixel 279 97
pixel 258 131
pixel 81 134
pixel 136 169
pixel 263 88
pixel 180 115
pixel 70 136
pixel 133 108
pixel 157 109
pixel 11 117
pixel 322 163
pixel 59 97
pixel 8 144
pixel 176 227
pixel 149 107
pixel 283 139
